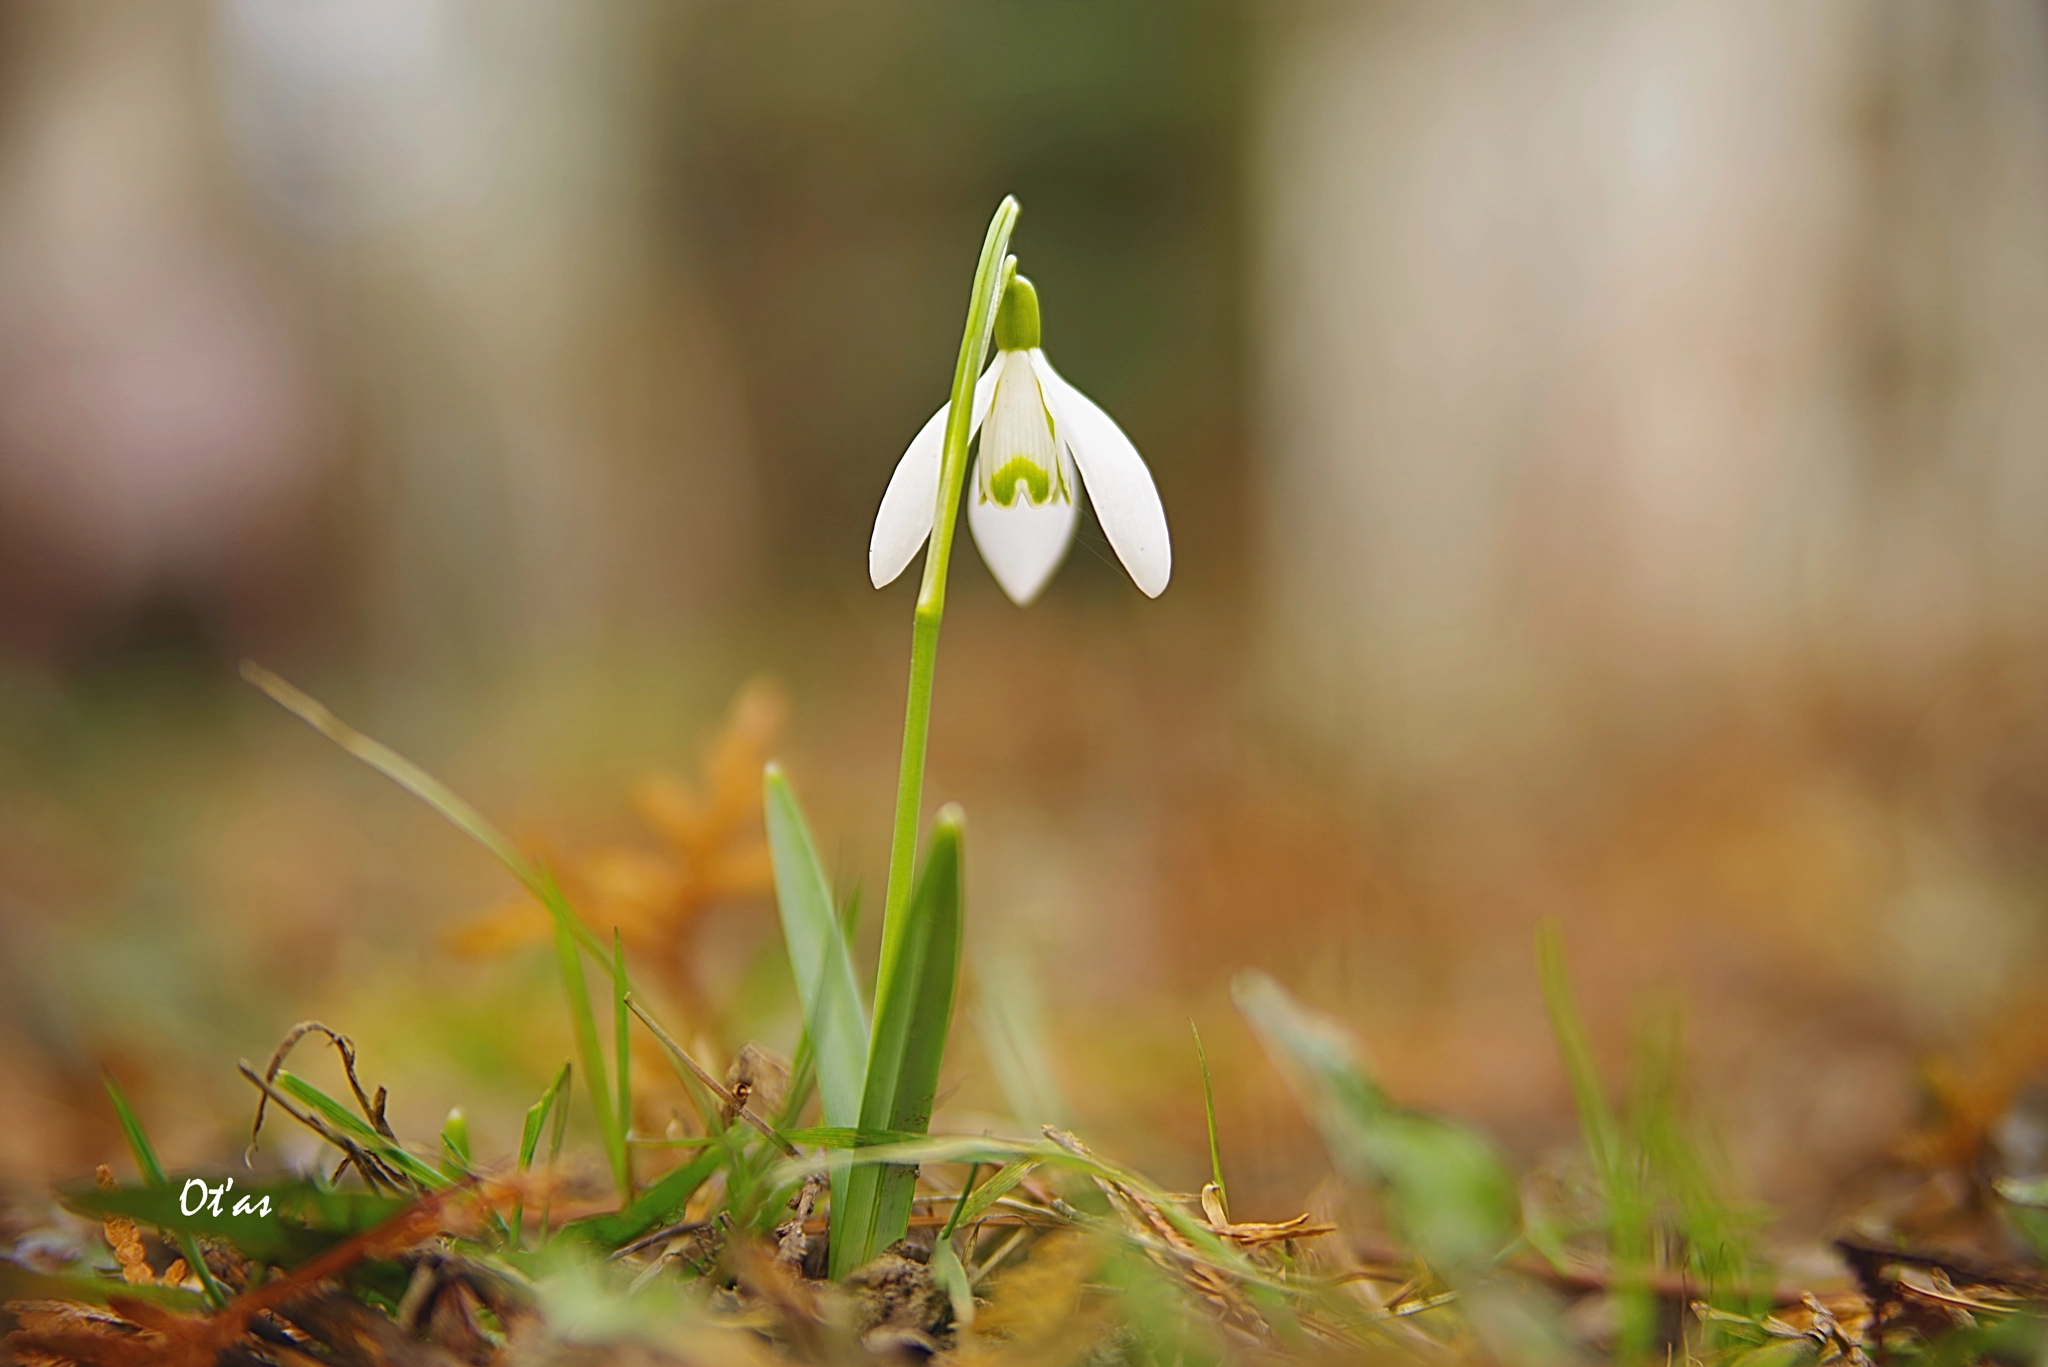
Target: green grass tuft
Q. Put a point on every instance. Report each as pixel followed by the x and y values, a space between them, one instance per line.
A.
pixel 153 1173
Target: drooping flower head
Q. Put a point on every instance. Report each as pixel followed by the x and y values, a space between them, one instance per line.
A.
pixel 1042 442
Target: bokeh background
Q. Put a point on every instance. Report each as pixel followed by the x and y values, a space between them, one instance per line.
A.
pixel 1606 447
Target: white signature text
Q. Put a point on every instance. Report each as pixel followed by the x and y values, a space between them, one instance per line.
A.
pixel 209 1198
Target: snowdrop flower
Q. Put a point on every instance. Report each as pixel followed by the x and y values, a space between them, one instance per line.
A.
pixel 1042 440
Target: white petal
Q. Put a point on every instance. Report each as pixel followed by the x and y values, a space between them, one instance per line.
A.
pixel 1023 542
pixel 1126 501
pixel 905 518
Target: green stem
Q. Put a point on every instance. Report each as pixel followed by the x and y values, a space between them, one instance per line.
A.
pixel 990 276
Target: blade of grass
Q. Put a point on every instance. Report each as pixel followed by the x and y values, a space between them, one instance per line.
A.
pixel 1681 1170
pixel 803 1080
pixel 662 1202
pixel 1195 1239
pixel 584 1023
pixel 1154 1306
pixel 457 1163
pixel 376 1172
pixel 952 1278
pixel 529 1141
pixel 138 1139
pixel 1209 1112
pixel 455 1144
pixel 823 968
pixel 555 1137
pixel 153 1173
pixel 1575 1051
pixel 1010 1018
pixel 966 1190
pixel 950 1274
pixel 1445 1185
pixel 537 1116
pixel 570 931
pixel 803 1068
pixel 1613 1154
pixel 361 1131
pixel 947 1268
pixel 622 1058
pixel 19 1283
pixel 937 914
pixel 403 772
pixel 690 1069
pixel 818 955
pixel 847 1137
pixel 1058 1150
pixel 561 1128
pixel 301 1217
pixel 912 1018
pixel 977 1202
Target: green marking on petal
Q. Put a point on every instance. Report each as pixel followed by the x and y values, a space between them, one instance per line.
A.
pixel 1036 479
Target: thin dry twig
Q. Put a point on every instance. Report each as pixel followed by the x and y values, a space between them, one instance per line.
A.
pixel 734 1106
pixel 343 1045
pixel 375 1170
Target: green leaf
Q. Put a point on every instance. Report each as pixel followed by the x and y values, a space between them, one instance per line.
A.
pixel 537 1116
pixel 410 777
pixel 818 955
pixel 848 1137
pixel 1444 1183
pixel 803 1080
pixel 455 1144
pixel 1061 1152
pixel 661 1203
pixel 2026 1200
pixel 1009 1015
pixel 1779 1353
pixel 978 1201
pixel 138 1138
pixel 948 1148
pixel 570 932
pixel 281 1222
pixel 1209 1113
pixel 153 1173
pixel 19 1283
pixel 911 1022
pixel 1154 1303
pixel 359 1130
pixel 622 1059
pixel 960 1205
pixel 583 1021
pixel 1680 1178
pixel 947 1268
pixel 1596 1117
pixel 529 1142
pixel 803 1068
pixel 833 1019
pixel 949 1274
pixel 1615 1155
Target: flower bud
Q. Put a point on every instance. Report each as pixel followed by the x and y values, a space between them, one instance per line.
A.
pixel 1017 317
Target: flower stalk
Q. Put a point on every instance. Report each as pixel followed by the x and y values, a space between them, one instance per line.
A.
pixel 915 982
pixel 1042 440
pixel 991 276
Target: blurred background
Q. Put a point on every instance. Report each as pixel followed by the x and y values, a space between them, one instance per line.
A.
pixel 1605 444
